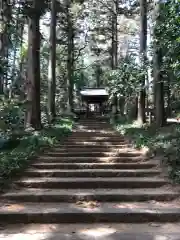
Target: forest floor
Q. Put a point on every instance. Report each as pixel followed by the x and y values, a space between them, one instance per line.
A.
pixel 163 142
pixel 16 154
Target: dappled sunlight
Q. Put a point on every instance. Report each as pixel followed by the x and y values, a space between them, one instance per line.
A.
pixel 14 207
pixel 98 232
pixel 90 232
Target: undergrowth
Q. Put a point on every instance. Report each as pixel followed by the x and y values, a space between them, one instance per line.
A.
pixel 15 155
pixel 160 142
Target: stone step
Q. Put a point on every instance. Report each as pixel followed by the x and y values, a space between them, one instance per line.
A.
pixel 91 148
pixel 80 236
pixel 84 212
pixel 91 159
pixel 91 173
pixel 57 183
pixel 94 143
pixel 91 154
pixel 110 149
pixel 107 141
pixel 99 133
pixel 95 137
pixel 90 130
pixel 100 195
pixel 93 231
pixel 79 165
pixel 96 123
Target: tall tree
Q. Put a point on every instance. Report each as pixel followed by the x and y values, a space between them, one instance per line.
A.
pixel 5 17
pixel 114 36
pixel 157 69
pixel 143 57
pixel 70 57
pixel 33 116
pixel 52 64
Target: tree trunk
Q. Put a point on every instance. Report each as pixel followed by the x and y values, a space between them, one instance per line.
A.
pixel 70 59
pixel 168 92
pixel 158 90
pixel 121 105
pixel 114 57
pixel 5 17
pixel 114 36
pixel 52 65
pixel 98 75
pixel 160 118
pixel 33 117
pixel 143 48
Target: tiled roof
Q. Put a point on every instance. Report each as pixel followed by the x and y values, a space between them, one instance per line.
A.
pixel 94 92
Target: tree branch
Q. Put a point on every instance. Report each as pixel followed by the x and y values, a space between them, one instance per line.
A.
pixel 81 49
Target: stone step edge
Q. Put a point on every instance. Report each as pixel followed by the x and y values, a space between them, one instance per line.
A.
pixel 76 213
pixel 94 171
pixel 85 165
pixel 93 182
pixel 101 195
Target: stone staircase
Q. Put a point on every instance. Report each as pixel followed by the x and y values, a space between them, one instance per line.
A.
pixel 95 176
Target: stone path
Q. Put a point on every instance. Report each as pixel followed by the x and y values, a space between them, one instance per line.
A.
pixel 94 186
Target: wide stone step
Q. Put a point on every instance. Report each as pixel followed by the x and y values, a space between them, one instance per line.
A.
pixel 98 133
pixel 93 231
pixel 95 182
pixel 91 173
pixel 100 195
pixel 92 140
pixel 92 148
pixel 85 159
pixel 94 143
pixel 102 149
pixel 91 154
pixel 80 236
pixel 80 165
pixel 89 212
pixel 95 137
pixel 95 131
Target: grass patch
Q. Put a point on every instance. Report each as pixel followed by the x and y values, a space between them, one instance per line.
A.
pixel 163 142
pixel 14 159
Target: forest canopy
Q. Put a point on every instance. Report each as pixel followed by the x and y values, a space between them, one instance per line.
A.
pixel 49 50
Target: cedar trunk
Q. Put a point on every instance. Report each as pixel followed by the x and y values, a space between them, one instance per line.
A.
pixel 70 59
pixel 33 117
pixel 160 118
pixel 114 51
pixel 143 47
pixel 52 65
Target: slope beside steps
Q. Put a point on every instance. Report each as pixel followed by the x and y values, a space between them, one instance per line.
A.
pixel 95 176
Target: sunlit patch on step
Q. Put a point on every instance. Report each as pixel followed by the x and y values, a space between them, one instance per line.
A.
pixel 97 232
pixel 89 204
pixel 12 207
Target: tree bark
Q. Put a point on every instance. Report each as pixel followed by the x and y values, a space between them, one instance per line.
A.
pixel 114 36
pixel 143 57
pixel 70 60
pixel 52 65
pixel 33 117
pixel 98 75
pixel 160 118
pixel 158 90
pixel 168 92
pixel 114 53
pixel 5 17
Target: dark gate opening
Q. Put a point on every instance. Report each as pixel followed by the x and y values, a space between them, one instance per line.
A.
pixel 95 100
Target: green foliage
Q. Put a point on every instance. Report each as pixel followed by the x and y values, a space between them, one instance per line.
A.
pixel 12 115
pixel 162 142
pixel 167 35
pixel 14 160
pixel 125 80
